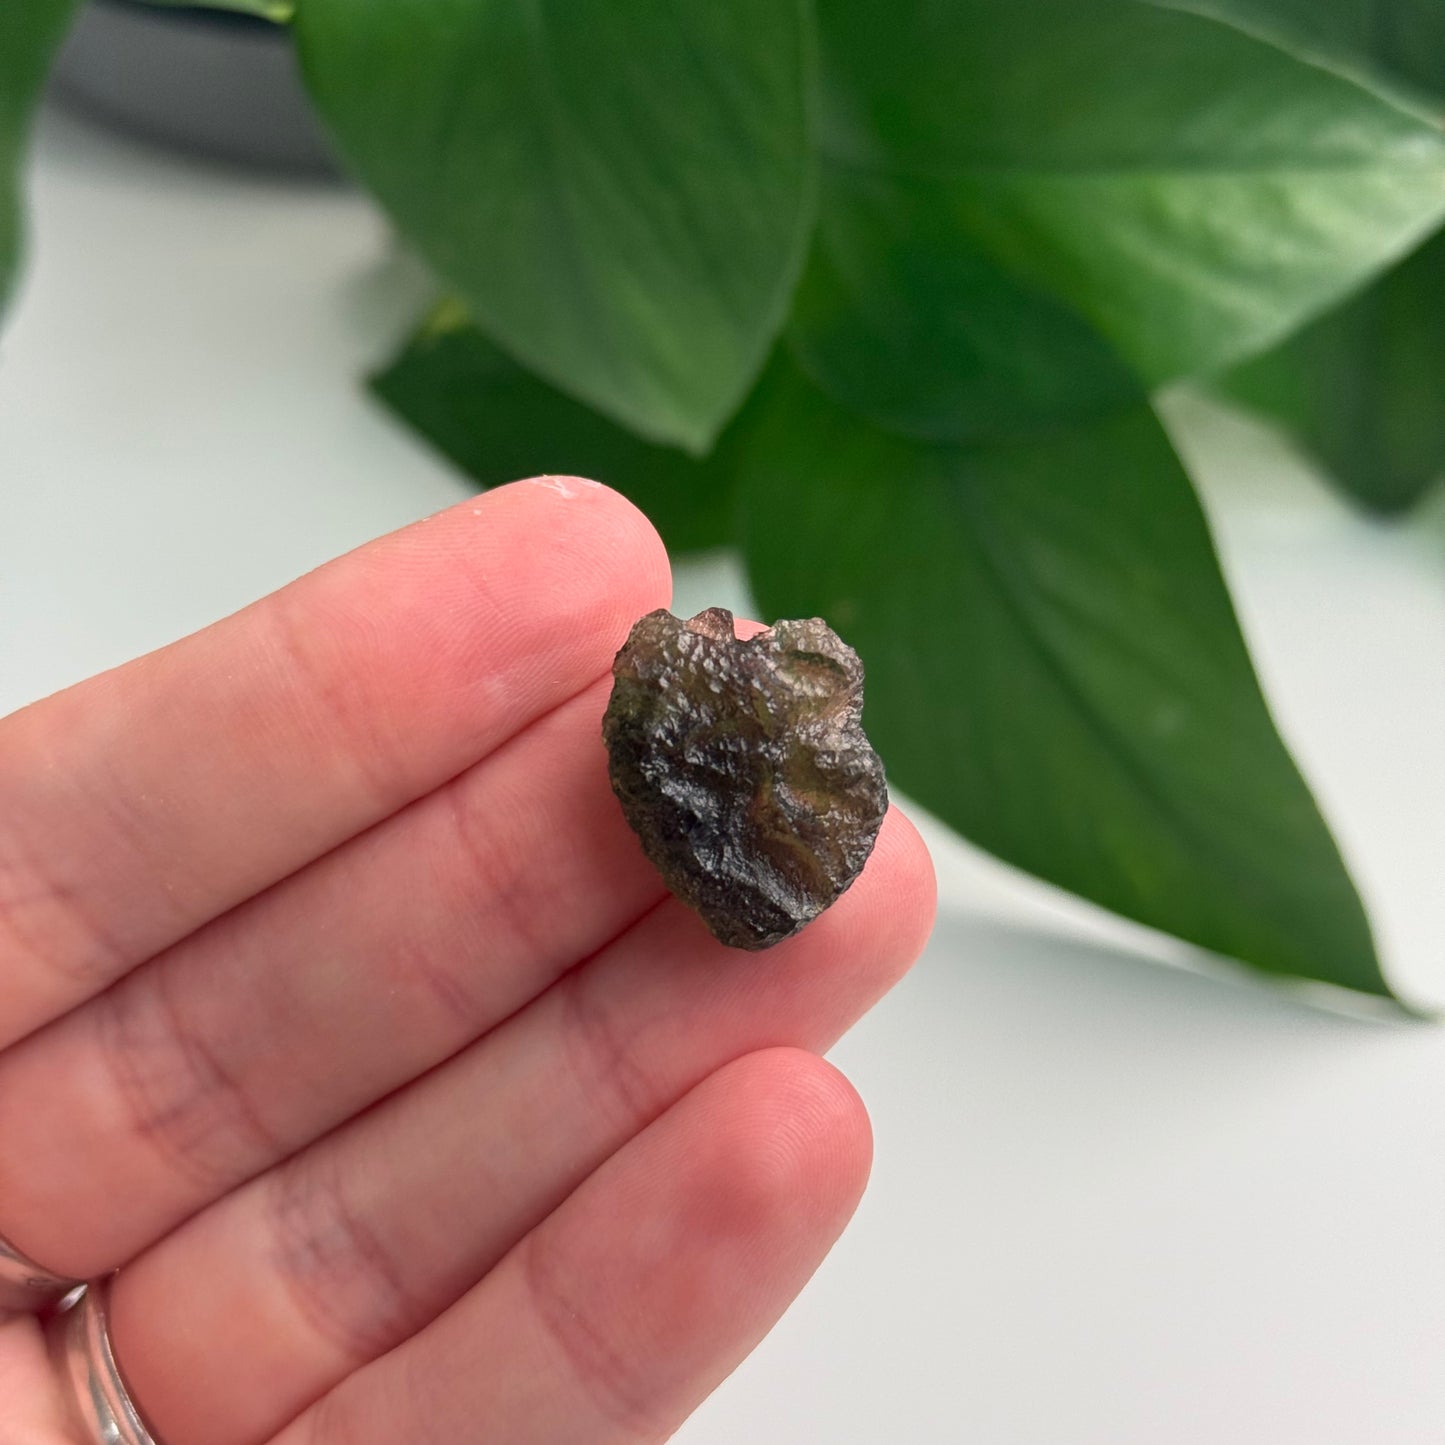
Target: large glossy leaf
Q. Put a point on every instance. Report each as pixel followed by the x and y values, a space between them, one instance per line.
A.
pixel 1393 39
pixel 1054 667
pixel 497 422
pixel 1363 387
pixel 30 30
pixel 903 316
pixel 1191 190
pixel 621 192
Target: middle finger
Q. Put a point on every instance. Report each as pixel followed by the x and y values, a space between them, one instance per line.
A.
pixel 285 1017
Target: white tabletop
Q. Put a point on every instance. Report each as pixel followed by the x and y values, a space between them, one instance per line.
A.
pixel 1116 1201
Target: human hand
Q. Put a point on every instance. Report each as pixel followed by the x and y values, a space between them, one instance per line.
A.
pixel 341 1013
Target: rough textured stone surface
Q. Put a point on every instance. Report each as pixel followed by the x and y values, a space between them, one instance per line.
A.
pixel 743 768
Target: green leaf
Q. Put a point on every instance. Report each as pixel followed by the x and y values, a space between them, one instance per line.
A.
pixel 1363 387
pixel 1055 669
pixel 1002 167
pixel 30 31
pixel 498 422
pixel 1390 39
pixel 622 194
pixel 277 11
pixel 902 317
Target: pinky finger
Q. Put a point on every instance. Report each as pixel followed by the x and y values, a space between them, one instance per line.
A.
pixel 617 1316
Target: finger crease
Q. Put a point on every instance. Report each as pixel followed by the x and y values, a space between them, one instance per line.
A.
pixel 30 902
pixel 182 1098
pixel 494 873
pixel 606 1058
pixel 342 1280
pixel 611 1384
pixel 331 704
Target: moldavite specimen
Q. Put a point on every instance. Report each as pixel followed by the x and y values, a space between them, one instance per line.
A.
pixel 743 768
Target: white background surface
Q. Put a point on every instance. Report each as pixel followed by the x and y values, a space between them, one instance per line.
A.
pixel 1113 1201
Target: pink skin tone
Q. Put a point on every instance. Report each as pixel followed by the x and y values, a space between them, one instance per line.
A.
pixel 342 1013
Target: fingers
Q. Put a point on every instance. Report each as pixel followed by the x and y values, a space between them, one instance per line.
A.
pixel 326 992
pixel 272 1296
pixel 140 804
pixel 620 1313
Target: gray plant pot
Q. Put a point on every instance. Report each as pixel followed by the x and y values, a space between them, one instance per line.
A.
pixel 208 81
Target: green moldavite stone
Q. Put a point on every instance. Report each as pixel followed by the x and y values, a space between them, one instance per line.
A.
pixel 743 768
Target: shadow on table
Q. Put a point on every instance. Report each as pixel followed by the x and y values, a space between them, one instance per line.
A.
pixel 1010 1038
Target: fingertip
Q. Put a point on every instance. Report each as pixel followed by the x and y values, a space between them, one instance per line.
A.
pixel 604 526
pixel 794 1145
pixel 563 555
pixel 884 919
pixel 841 1142
pixel 908 879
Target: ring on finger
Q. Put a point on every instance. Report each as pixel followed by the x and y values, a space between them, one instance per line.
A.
pixel 80 1346
pixel 26 1287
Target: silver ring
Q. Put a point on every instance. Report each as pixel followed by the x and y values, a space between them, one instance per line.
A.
pixel 80 1347
pixel 26 1288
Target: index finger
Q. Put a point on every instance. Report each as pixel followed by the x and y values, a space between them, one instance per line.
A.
pixel 138 805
